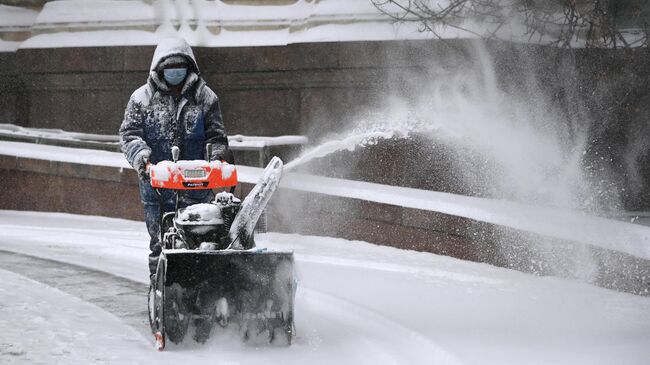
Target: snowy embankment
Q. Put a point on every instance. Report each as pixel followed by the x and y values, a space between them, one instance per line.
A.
pixel 551 222
pixel 44 134
pixel 82 23
pixel 356 303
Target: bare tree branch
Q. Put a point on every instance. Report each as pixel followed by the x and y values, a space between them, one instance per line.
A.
pixel 561 23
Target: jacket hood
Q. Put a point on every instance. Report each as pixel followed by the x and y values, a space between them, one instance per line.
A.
pixel 173 47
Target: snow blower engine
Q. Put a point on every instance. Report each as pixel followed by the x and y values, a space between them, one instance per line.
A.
pixel 210 271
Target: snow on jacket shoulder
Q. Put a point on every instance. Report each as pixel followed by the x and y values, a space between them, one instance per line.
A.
pixel 155 120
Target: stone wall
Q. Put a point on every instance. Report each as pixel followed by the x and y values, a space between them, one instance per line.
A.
pixel 41 185
pixel 53 186
pixel 86 89
pixel 319 88
pixel 11 90
pixel 296 89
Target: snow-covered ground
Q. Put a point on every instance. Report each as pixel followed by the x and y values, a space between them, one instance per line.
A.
pixel 82 23
pixel 42 325
pixel 219 23
pixel 357 303
pixel 236 140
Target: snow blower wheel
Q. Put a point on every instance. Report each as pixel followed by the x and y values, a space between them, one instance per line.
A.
pixel 177 313
pixel 156 307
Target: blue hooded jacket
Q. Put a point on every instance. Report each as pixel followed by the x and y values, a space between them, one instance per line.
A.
pixel 155 119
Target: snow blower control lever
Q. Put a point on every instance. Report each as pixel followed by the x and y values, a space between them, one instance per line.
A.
pixel 175 153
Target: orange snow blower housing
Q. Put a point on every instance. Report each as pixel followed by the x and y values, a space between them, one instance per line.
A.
pixel 193 175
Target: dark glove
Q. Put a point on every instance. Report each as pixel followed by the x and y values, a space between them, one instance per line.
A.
pixel 140 165
pixel 223 154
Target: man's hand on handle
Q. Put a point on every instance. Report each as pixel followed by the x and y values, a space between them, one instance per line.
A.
pixel 142 166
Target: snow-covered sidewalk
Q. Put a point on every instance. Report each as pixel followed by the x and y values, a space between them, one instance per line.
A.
pixel 357 303
pixel 42 325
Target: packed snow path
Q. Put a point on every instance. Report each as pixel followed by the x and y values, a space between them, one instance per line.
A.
pixel 96 287
pixel 357 303
pixel 42 325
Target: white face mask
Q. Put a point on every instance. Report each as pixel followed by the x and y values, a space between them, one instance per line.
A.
pixel 175 76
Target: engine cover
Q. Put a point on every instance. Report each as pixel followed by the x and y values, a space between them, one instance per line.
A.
pixel 207 222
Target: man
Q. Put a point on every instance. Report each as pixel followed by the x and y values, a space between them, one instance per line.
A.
pixel 174 108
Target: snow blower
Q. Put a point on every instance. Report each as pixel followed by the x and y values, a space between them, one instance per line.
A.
pixel 210 271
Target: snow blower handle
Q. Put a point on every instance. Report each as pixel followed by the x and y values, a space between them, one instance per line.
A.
pixel 176 152
pixel 208 157
pixel 208 152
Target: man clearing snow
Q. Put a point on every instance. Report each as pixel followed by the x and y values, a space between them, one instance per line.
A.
pixel 174 108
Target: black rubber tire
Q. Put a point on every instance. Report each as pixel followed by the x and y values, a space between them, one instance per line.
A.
pixel 155 301
pixel 177 315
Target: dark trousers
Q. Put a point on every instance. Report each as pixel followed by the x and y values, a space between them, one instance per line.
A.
pixel 153 202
